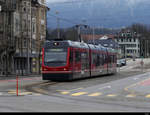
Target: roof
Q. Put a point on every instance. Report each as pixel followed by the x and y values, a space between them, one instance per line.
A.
pixel 91 37
pixel 105 42
pixel 37 2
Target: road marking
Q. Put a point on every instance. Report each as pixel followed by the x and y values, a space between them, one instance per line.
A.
pixel 79 93
pixel 36 94
pixel 95 94
pixel 65 92
pixel 40 90
pixel 131 95
pixel 69 90
pixel 147 96
pixel 49 83
pixel 25 93
pixel 105 87
pixel 111 95
pixel 12 92
pixel 133 85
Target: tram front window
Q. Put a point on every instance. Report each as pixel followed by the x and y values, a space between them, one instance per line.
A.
pixel 55 57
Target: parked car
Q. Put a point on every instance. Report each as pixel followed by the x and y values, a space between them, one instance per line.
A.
pixel 123 62
pixel 119 64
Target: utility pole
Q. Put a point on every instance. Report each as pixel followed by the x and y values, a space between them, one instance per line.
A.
pixel 79 30
pixel 93 35
pixel 58 31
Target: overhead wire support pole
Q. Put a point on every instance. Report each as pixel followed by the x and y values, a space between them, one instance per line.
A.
pixel 93 35
pixel 58 28
pixel 79 30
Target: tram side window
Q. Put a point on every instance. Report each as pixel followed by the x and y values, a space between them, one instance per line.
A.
pixel 93 58
pixel 85 60
pixel 109 59
pixel 77 56
pixel 98 60
pixel 113 59
pixel 71 56
pixel 103 59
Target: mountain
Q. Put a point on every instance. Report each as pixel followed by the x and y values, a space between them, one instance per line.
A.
pixel 99 13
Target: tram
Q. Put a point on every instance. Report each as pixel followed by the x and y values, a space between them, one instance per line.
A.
pixel 69 60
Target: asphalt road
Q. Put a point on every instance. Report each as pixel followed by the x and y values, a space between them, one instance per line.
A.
pixel 127 91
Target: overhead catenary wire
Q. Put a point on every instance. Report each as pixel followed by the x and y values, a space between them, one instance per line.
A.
pixel 71 2
pixel 63 19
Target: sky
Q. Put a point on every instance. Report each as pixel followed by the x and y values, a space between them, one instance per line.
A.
pixel 130 2
pixel 110 13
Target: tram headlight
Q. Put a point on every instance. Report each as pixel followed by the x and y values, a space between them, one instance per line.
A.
pixel 55 43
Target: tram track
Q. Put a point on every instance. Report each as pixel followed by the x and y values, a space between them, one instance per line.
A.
pixel 39 87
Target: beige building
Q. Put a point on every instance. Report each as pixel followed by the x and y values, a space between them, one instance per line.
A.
pixel 24 26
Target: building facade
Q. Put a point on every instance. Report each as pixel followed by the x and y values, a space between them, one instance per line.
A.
pixel 24 26
pixel 129 42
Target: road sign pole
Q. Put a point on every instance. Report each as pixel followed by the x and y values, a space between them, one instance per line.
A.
pixel 142 63
pixel 17 85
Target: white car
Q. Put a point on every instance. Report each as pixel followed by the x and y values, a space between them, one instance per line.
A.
pixel 123 62
pixel 119 64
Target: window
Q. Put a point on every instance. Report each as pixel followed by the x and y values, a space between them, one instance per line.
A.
pixel 25 43
pixel 77 56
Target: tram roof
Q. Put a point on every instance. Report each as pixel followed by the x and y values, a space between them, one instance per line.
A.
pixel 75 44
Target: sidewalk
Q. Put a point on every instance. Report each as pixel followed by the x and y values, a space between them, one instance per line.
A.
pixel 4 77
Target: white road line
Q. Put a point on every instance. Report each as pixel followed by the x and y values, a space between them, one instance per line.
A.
pixel 1 93
pixel 105 87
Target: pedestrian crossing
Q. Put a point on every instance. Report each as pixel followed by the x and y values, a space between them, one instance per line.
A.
pixel 20 93
pixel 75 94
pixel 101 94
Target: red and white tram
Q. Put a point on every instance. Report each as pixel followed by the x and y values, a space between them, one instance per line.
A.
pixel 69 60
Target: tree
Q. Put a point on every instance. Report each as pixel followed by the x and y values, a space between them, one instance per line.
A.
pixel 144 32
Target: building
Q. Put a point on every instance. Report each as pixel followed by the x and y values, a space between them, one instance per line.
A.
pixel 129 42
pixel 87 37
pixel 24 28
pixel 107 41
pixel 7 40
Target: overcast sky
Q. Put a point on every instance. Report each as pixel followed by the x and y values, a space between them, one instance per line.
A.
pixel 110 13
pixel 129 1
